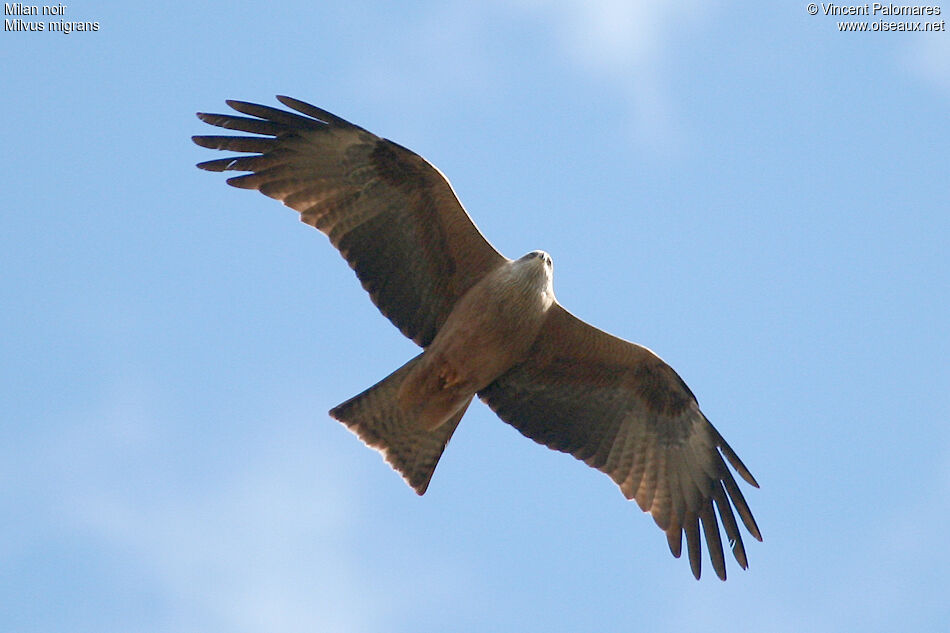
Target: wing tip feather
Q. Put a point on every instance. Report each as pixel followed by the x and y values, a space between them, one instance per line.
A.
pixel 313 111
pixel 674 538
pixel 733 458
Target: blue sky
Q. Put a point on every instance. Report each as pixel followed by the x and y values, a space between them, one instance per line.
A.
pixel 760 199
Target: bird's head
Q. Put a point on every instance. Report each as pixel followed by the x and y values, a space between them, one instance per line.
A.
pixel 541 267
pixel 542 257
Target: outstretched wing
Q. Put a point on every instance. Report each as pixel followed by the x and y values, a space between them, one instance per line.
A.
pixel 622 410
pixel 392 215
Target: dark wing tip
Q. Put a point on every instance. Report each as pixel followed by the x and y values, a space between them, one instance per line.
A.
pixel 219 164
pixel 313 111
pixel 204 140
pixel 249 107
pixel 205 116
pixel 741 506
pixel 713 540
pixel 212 165
pixel 723 491
pixel 729 525
pixel 674 537
pixel 693 547
pixel 734 459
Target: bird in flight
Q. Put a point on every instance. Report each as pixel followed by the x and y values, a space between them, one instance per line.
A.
pixel 488 326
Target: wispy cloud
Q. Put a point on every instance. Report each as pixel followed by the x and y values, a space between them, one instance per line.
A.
pixel 239 555
pixel 252 533
pixel 928 57
pixel 624 42
pixel 433 58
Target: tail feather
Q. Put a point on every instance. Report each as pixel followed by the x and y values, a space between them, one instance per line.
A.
pixel 376 419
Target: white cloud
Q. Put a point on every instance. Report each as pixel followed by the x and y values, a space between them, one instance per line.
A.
pixel 620 35
pixel 625 42
pixel 235 556
pixel 255 532
pixel 622 43
pixel 431 59
pixel 929 58
pixel 238 556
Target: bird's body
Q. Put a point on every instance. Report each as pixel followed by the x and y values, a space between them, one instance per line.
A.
pixel 488 331
pixel 489 326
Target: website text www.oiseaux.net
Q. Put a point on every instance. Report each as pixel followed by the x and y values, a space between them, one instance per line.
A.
pixel 885 14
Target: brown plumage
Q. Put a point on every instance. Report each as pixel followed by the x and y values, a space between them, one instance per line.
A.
pixel 488 326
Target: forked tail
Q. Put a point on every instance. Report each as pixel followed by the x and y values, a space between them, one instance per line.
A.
pixel 377 420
